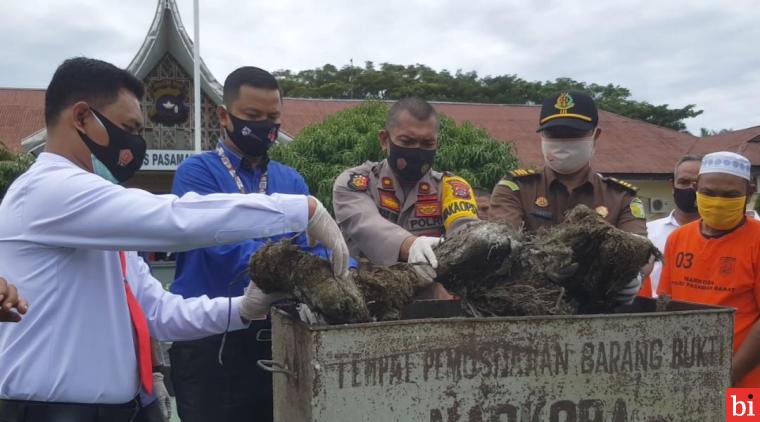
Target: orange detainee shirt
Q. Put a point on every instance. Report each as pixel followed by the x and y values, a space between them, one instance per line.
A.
pixel 722 271
pixel 646 288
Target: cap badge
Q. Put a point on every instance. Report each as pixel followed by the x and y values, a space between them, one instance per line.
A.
pixel 564 103
pixel 542 202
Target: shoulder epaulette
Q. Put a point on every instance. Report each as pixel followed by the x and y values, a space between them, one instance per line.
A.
pixel 522 173
pixel 374 167
pixel 439 175
pixel 622 183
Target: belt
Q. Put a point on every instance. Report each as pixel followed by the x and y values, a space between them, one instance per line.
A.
pixel 38 411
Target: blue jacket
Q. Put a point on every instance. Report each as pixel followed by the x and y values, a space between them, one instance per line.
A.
pixel 223 270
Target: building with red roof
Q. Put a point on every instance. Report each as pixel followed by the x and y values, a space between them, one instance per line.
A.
pixel 641 153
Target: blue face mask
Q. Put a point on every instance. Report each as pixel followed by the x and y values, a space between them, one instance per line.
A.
pixel 101 170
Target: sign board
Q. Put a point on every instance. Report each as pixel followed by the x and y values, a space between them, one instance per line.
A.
pixel 164 159
pixel 647 366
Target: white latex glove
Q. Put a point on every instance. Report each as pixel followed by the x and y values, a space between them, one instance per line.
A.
pixel 322 228
pixel 162 395
pixel 628 293
pixel 308 316
pixel 256 304
pixel 421 253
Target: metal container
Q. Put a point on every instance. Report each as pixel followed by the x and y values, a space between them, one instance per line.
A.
pixel 641 365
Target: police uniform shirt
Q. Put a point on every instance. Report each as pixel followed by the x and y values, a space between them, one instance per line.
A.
pixel 376 215
pixel 532 199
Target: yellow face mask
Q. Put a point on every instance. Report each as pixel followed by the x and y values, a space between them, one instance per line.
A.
pixel 721 213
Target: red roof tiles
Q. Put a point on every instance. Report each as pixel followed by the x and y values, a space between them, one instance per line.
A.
pixel 627 146
pixel 21 114
pixel 745 142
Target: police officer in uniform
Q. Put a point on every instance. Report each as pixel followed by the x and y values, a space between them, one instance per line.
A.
pixel 531 199
pixel 397 209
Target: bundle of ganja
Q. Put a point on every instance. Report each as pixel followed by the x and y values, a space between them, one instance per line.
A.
pixel 497 272
pixel 283 267
pixel 577 266
pixel 388 290
pixel 372 292
pixel 607 258
pixel 574 267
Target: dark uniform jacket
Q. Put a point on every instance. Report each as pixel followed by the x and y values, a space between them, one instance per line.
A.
pixel 530 199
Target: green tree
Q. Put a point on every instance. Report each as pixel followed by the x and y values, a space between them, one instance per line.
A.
pixel 348 138
pixel 392 81
pixel 11 166
pixel 705 132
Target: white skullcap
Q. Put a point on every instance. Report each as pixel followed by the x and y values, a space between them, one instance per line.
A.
pixel 727 163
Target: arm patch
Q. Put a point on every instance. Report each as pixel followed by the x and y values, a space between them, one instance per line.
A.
pixel 514 187
pixel 358 182
pixel 457 200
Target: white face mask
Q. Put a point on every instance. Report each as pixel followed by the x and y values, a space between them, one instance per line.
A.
pixel 567 155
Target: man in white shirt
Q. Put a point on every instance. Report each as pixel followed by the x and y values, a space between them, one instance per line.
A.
pixel 79 354
pixel 10 299
pixel 685 198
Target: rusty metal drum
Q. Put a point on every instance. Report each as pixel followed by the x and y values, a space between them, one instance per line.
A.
pixel 641 365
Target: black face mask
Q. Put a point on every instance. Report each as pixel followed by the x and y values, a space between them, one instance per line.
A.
pixel 253 137
pixel 123 155
pixel 410 164
pixel 686 200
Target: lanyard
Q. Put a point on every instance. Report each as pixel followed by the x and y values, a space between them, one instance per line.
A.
pixel 226 161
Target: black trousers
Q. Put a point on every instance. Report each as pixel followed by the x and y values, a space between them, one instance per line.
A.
pixel 237 391
pixel 150 413
pixel 31 411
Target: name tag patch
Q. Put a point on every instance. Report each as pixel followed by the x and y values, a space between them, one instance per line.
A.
pixel 426 223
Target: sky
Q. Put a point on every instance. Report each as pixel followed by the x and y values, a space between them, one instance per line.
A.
pixel 667 52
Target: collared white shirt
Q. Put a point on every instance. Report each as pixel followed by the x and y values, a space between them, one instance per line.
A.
pixel 60 230
pixel 658 232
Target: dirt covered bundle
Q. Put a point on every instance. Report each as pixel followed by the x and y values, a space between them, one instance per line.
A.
pixel 574 267
pixel 283 267
pixel 388 290
pixel 495 272
pixel 606 257
pixel 371 293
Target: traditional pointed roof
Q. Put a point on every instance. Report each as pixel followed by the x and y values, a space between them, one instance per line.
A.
pixel 166 34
